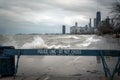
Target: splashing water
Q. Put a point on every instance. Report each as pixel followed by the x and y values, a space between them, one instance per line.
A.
pixel 58 46
pixel 38 42
pixel 71 37
pixel 89 41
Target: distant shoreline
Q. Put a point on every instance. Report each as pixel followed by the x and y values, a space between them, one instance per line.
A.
pixel 103 35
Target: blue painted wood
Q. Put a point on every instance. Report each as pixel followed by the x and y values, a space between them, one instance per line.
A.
pixel 61 52
pixel 7 65
pixel 8 53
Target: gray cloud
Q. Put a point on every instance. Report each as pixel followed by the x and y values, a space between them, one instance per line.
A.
pixel 14 14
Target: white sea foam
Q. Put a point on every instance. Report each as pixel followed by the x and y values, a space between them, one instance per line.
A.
pixel 58 46
pixel 38 42
pixel 70 37
pixel 89 41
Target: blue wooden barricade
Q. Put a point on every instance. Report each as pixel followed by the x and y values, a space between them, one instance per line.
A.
pixel 8 52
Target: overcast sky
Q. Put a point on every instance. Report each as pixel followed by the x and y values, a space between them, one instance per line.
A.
pixel 47 16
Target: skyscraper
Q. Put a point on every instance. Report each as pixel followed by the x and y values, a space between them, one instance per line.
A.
pixel 94 22
pixel 90 23
pixel 98 18
pixel 63 29
pixel 76 24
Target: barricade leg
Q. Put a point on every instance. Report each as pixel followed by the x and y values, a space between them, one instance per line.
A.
pixel 107 71
pixel 105 66
pixel 117 69
pixel 16 67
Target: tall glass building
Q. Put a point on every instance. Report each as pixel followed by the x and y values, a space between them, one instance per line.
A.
pixel 98 18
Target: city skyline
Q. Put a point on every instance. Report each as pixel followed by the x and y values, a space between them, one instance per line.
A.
pixel 45 16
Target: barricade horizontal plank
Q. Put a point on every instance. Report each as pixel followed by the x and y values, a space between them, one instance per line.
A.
pixel 61 52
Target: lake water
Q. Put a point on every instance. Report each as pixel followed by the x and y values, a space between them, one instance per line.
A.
pixel 61 65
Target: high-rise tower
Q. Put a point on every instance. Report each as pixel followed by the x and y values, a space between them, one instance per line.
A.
pixel 76 24
pixel 90 23
pixel 94 22
pixel 63 29
pixel 98 18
